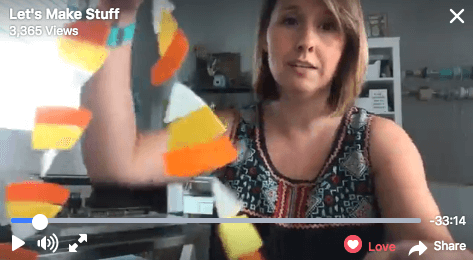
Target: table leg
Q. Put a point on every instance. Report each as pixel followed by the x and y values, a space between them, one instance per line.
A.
pixel 202 243
pixel 173 253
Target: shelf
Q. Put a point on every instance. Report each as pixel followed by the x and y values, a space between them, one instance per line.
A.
pixel 389 113
pixel 69 180
pixel 223 90
pixel 380 80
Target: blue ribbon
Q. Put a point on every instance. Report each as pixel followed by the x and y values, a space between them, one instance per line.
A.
pixel 120 35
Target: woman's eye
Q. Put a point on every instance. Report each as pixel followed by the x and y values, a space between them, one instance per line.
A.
pixel 330 26
pixel 290 21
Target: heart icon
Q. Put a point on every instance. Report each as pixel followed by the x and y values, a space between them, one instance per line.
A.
pixel 352 243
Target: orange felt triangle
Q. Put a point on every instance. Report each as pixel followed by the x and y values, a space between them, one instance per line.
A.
pixel 37 191
pixel 252 256
pixel 195 160
pixel 95 31
pixel 167 65
pixel 19 254
pixel 63 116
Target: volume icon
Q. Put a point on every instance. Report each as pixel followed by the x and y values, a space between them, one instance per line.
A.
pixel 52 243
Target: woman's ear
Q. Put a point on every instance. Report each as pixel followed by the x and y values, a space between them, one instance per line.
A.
pixel 263 42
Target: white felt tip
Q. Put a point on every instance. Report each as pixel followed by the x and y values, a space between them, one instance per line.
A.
pixel 47 161
pixel 226 200
pixel 182 102
pixel 158 7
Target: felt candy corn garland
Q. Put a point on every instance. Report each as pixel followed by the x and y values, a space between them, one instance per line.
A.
pixel 195 132
pixel 195 144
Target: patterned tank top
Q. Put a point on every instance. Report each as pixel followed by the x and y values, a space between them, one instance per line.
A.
pixel 343 189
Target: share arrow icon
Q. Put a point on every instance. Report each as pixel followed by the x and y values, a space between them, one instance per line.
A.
pixel 73 248
pixel 418 248
pixel 83 237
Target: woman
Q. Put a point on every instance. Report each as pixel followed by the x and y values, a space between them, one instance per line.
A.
pixel 308 152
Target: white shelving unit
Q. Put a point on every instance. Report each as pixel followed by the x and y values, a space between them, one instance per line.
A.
pixel 386 49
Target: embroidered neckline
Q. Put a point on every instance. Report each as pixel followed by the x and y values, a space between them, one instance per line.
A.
pixel 334 150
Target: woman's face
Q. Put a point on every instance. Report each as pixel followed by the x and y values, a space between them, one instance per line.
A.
pixel 304 46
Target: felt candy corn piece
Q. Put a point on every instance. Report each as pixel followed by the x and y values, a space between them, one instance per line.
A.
pixel 29 209
pixel 172 43
pixel 27 199
pixel 200 158
pixel 171 61
pixel 195 133
pixel 59 127
pixel 87 50
pixel 158 7
pixel 167 31
pixel 239 239
pixel 252 256
pixel 37 191
pixel 47 160
pixel 30 198
pixel 19 254
pixel 199 127
pixel 226 200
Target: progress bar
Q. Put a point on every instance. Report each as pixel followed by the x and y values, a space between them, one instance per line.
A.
pixel 222 220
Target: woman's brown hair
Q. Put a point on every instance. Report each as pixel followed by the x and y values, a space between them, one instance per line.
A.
pixel 349 78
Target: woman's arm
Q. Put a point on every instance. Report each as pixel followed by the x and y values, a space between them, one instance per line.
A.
pixel 401 187
pixel 114 150
pixel 111 138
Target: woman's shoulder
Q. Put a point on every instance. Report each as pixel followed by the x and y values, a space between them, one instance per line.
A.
pixel 375 121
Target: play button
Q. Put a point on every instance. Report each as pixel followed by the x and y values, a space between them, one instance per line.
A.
pixel 16 243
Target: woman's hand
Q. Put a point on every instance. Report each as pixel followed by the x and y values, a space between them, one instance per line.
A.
pixel 402 252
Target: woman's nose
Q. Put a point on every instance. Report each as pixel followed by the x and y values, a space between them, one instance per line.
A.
pixel 307 40
pixel 305 47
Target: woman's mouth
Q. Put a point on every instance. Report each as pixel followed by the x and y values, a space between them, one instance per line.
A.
pixel 302 69
pixel 302 65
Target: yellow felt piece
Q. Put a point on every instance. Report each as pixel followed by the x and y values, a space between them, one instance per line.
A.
pixel 29 209
pixel 200 126
pixel 81 54
pixel 167 31
pixel 58 137
pixel 239 238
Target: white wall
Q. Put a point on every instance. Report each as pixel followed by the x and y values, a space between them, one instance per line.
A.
pixel 455 200
pixel 223 26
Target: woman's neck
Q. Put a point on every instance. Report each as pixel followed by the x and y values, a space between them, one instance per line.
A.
pixel 293 114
